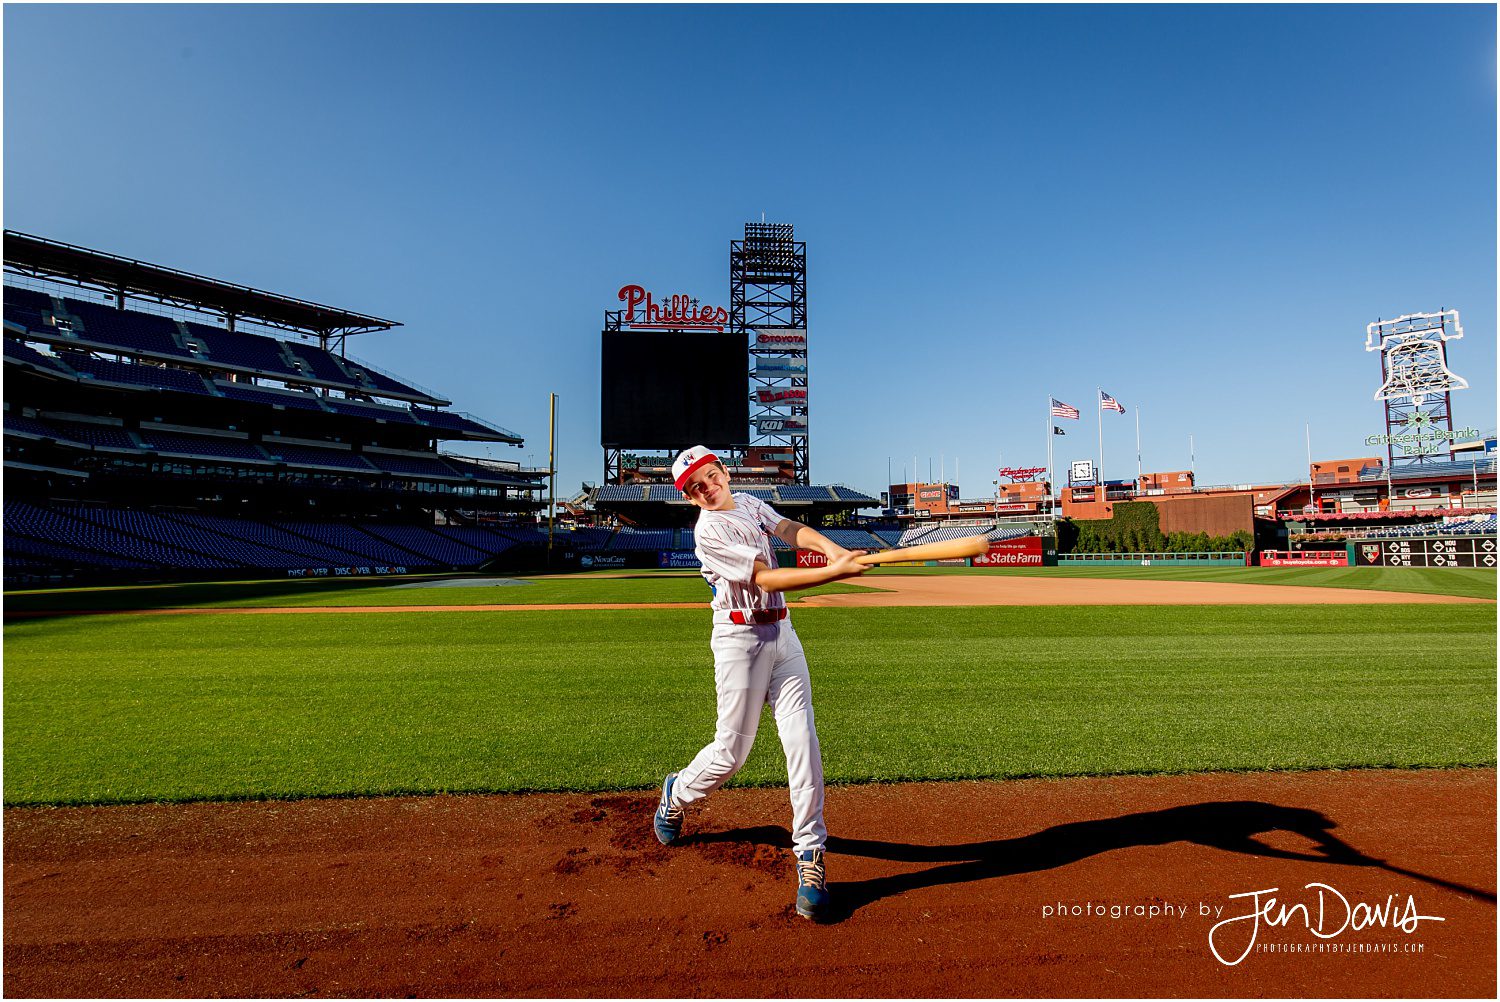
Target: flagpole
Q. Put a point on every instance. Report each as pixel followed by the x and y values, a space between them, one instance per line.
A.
pixel 1099 417
pixel 1137 448
pixel 1049 455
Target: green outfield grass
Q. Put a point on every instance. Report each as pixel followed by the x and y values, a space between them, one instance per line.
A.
pixel 581 589
pixel 1469 582
pixel 143 708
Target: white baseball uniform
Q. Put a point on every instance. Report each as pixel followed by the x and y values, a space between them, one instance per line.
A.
pixel 754 664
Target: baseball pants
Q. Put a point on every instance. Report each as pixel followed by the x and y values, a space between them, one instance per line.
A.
pixel 755 665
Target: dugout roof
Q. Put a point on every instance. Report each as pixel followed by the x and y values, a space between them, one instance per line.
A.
pixel 53 260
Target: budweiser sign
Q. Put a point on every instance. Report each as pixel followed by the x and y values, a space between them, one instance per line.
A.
pixel 677 312
pixel 774 396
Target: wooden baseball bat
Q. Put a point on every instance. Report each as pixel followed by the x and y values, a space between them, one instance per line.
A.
pixel 948 549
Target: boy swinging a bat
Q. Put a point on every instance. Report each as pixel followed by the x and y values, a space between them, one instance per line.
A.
pixel 758 659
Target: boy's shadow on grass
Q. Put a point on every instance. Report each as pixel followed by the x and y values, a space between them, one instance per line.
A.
pixel 1230 825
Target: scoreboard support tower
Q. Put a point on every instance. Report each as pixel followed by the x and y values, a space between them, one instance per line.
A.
pixel 768 302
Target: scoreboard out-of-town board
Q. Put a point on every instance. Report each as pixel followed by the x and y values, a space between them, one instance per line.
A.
pixel 1460 551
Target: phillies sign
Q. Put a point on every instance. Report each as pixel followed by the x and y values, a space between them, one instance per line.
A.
pixel 777 396
pixel 677 312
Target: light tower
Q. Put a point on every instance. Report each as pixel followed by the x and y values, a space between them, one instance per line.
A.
pixel 768 302
pixel 1416 385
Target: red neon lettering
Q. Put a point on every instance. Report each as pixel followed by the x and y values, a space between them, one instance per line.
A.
pixel 632 296
pixel 677 311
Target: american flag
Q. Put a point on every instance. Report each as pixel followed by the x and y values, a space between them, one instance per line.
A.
pixel 1109 403
pixel 1060 409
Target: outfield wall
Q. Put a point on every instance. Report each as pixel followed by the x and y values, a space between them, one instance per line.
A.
pixel 1235 559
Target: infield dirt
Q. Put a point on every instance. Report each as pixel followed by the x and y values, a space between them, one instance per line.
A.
pixel 953 889
pixel 891 590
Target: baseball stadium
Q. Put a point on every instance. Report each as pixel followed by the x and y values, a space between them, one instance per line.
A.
pixel 303 699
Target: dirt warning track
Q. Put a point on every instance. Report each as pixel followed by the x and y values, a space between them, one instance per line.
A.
pixel 915 590
pixel 1077 887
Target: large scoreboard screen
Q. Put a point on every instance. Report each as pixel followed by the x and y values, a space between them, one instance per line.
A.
pixel 1456 551
pixel 670 390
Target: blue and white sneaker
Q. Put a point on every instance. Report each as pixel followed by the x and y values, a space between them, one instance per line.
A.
pixel 812 885
pixel 668 820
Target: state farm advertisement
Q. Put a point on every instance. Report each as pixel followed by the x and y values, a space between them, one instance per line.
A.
pixel 1024 552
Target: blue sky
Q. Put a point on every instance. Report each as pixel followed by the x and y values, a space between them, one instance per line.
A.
pixel 1197 208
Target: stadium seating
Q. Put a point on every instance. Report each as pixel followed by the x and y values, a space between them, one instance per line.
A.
pixel 375 412
pixel 641 539
pixel 914 535
pixel 380 383
pixel 1467 527
pixel 68 527
pixel 848 494
pixel 465 424
pixel 477 538
pixel 21 353
pixel 308 455
pixel 621 492
pixel 797 492
pixel 177 443
pixel 321 365
pixel 26 306
pixel 592 538
pixel 350 539
pixel 853 539
pixel 1446 468
pixel 478 471
pixel 412 465
pixel 429 544
pixel 663 492
pixel 45 556
pixel 233 551
pixel 132 374
pixel 100 323
pixel 100 436
pixel 297 399
pixel 239 350
pixel 889 537
pixel 19 424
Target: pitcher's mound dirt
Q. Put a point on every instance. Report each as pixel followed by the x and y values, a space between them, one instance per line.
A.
pixel 1087 887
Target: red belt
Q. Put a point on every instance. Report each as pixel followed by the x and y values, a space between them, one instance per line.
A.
pixel 761 616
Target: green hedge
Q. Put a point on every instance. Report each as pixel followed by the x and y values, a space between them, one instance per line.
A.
pixel 1136 528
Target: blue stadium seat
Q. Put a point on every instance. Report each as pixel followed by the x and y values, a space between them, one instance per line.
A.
pixel 132 374
pixel 101 323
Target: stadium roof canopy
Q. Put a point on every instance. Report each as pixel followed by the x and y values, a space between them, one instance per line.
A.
pixel 39 257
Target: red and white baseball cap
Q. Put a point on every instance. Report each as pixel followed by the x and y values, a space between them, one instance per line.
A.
pixel 690 461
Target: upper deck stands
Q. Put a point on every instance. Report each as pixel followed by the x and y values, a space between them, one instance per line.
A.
pixel 154 377
pixel 278 398
pixel 101 324
pixel 246 352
